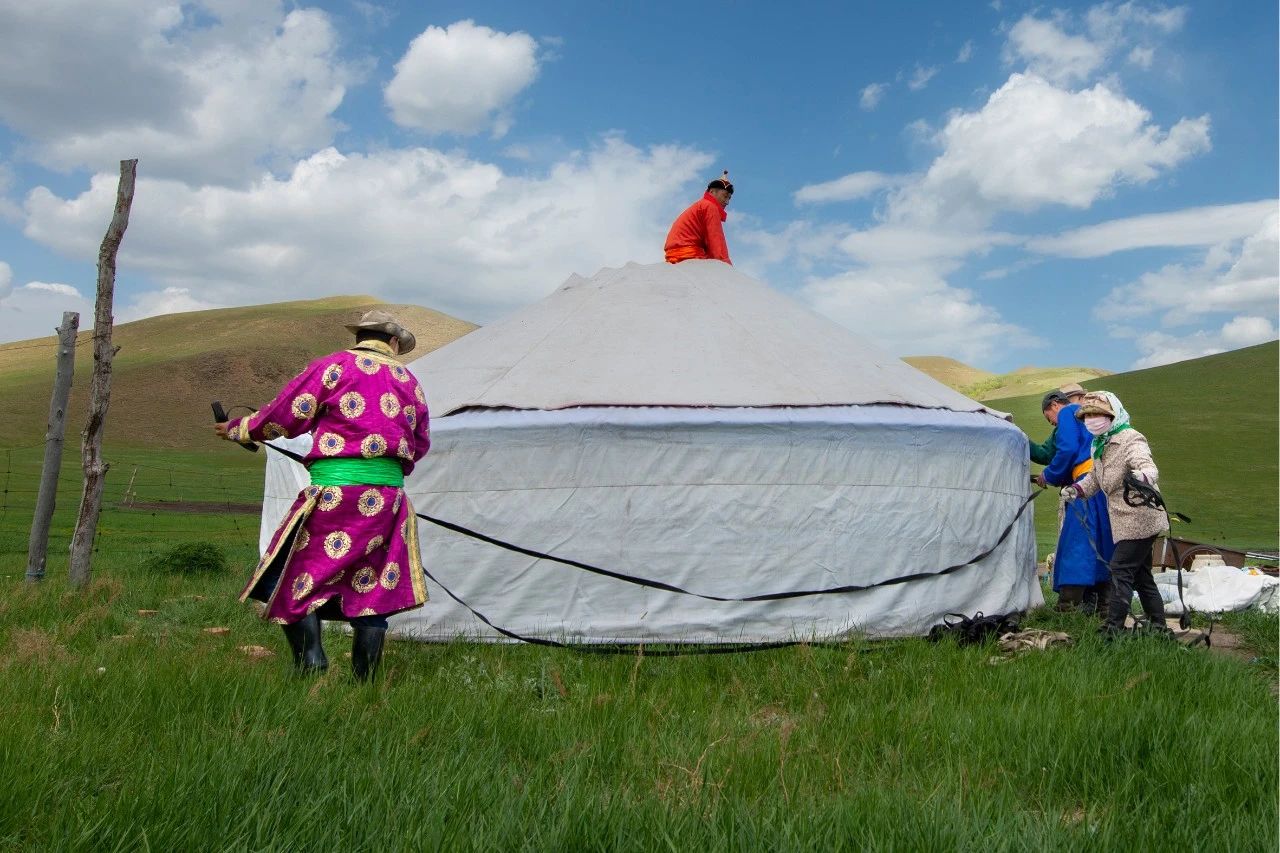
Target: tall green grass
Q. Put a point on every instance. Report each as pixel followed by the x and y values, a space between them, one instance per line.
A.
pixel 124 731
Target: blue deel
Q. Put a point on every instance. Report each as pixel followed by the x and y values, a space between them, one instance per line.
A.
pixel 1084 543
pixel 1085 526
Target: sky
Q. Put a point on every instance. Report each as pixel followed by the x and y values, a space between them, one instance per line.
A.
pixel 1004 183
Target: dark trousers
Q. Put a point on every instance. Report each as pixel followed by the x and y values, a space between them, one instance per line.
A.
pixel 1131 569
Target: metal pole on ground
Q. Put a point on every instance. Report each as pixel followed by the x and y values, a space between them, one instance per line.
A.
pixel 46 498
pixel 95 469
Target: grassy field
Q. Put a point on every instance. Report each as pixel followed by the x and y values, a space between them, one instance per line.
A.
pixel 1212 427
pixel 126 729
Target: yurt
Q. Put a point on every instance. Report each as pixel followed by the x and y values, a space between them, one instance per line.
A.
pixel 688 425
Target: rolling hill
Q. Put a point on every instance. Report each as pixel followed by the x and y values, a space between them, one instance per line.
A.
pixel 170 367
pixel 985 386
pixel 1212 426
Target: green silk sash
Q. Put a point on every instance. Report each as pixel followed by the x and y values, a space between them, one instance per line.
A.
pixel 380 471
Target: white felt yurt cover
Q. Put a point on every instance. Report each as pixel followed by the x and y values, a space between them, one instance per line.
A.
pixel 690 425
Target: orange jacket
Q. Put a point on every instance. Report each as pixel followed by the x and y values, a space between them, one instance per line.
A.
pixel 697 233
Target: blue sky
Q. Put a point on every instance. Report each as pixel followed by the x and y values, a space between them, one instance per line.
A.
pixel 1004 183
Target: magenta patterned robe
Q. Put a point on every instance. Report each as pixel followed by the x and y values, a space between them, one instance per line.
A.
pixel 356 544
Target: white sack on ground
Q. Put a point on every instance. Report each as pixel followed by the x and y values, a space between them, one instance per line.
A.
pixel 798 457
pixel 1219 589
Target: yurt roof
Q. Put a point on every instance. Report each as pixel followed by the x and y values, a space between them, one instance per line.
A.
pixel 698 333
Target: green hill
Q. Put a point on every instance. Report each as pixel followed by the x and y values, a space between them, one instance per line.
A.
pixel 1212 426
pixel 982 385
pixel 949 371
pixel 170 367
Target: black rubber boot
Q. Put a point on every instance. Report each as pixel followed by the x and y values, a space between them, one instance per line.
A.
pixel 366 650
pixel 305 641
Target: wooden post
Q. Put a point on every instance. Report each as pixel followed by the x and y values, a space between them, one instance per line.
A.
pixel 95 470
pixel 38 545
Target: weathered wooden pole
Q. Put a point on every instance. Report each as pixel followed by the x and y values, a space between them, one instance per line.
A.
pixel 95 470
pixel 46 498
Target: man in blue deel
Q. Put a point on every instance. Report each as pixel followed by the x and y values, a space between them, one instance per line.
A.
pixel 1080 574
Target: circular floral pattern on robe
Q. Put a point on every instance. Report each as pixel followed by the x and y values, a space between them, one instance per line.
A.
pixel 273 430
pixel 367 364
pixel 390 405
pixel 400 373
pixel 395 505
pixel 304 406
pixel 329 499
pixel 331 443
pixel 311 491
pixel 351 404
pixel 336 579
pixel 368 611
pixel 402 450
pixel 371 502
pixel 365 580
pixel 332 374
pixel 317 604
pixel 373 445
pixel 390 576
pixel 337 544
pixel 417 393
pixel 302 586
pixel 375 542
pixel 303 540
pixel 411 415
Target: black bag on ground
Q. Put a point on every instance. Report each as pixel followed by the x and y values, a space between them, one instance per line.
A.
pixel 972 630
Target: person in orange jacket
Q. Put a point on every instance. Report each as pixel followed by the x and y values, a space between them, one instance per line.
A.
pixel 698 233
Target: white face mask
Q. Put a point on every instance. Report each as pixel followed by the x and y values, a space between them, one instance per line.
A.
pixel 1097 424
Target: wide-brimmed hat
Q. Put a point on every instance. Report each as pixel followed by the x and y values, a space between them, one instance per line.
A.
pixel 384 321
pixel 1072 389
pixel 1095 403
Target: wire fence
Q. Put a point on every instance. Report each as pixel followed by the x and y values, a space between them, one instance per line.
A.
pixel 147 505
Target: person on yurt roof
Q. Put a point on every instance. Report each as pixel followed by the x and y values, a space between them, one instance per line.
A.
pixel 699 231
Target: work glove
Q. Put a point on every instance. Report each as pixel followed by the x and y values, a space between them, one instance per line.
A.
pixel 1071 492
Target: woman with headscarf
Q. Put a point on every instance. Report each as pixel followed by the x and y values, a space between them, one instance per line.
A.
pixel 1119 452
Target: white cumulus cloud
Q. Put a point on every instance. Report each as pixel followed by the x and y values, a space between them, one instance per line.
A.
pixel 872 94
pixel 35 309
pixel 208 90
pixel 1159 348
pixel 1174 312
pixel 1196 226
pixel 1066 49
pixel 847 188
pixel 1237 276
pixel 416 225
pixel 461 79
pixel 169 300
pixel 53 287
pixel 1035 144
pixel 912 310
pixel 920 77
